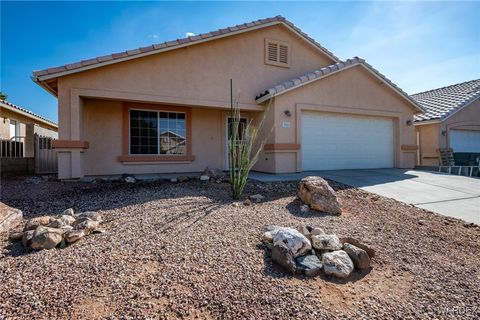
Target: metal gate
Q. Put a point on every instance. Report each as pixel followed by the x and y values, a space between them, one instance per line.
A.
pixel 45 155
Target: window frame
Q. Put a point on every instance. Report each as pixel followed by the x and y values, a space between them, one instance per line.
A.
pixel 126 155
pixel 158 133
pixel 278 43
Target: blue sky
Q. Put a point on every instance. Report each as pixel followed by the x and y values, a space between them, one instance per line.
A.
pixel 418 45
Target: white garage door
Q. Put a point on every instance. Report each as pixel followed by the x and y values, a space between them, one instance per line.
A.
pixel 465 140
pixel 332 142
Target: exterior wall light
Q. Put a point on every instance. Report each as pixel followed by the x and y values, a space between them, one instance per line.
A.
pixel 409 122
pixel 287 113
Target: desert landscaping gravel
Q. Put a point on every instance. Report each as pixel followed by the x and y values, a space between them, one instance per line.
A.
pixel 186 250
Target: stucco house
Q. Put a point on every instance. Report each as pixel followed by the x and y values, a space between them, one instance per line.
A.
pixel 452 120
pixel 18 127
pixel 325 113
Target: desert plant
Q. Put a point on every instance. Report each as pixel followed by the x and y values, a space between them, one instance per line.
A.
pixel 242 141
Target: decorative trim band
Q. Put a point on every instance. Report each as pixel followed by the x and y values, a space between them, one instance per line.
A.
pixel 281 146
pixel 70 144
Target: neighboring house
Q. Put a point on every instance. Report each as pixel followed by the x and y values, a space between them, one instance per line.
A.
pixel 451 120
pixel 18 127
pixel 325 113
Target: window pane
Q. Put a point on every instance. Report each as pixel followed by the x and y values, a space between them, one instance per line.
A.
pixel 172 133
pixel 143 132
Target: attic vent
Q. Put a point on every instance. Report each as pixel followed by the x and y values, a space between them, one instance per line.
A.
pixel 277 53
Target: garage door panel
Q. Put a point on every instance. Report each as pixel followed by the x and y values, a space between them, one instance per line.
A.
pixel 346 142
pixel 465 140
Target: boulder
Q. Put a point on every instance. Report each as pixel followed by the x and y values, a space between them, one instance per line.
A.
pixel 87 225
pixel 282 255
pixel 337 263
pixel 62 221
pixel 309 265
pixel 296 242
pixel 9 217
pixel 92 215
pixel 213 173
pixel 204 178
pixel 68 212
pixel 326 242
pixel 356 243
pixel 317 193
pixel 15 236
pixel 130 179
pixel 74 235
pixel 27 238
pixel 317 231
pixel 183 179
pixel 46 238
pixel 360 257
pixel 303 230
pixel 267 237
pixel 256 198
pixel 34 223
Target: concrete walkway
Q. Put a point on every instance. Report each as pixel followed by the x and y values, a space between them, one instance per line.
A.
pixel 450 195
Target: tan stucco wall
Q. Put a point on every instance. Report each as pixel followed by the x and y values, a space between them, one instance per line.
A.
pixel 435 136
pixel 467 118
pixel 429 135
pixel 353 91
pixel 196 76
pixel 103 128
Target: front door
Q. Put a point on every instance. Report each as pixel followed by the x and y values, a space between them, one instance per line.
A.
pixel 240 135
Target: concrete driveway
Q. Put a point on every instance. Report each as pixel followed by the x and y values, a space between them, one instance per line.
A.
pixel 450 195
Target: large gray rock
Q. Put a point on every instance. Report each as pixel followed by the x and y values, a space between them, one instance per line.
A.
pixel 357 243
pixel 27 238
pixel 62 221
pixel 360 257
pixel 317 193
pixel 74 235
pixel 337 263
pixel 296 242
pixel 309 265
pixel 288 244
pixel 269 232
pixel 303 230
pixel 34 223
pixel 46 238
pixel 92 215
pixel 87 225
pixel 214 173
pixel 326 242
pixel 284 257
pixel 9 217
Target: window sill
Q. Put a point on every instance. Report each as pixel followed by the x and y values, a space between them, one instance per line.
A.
pixel 128 158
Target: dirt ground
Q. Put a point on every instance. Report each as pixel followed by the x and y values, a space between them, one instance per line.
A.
pixel 186 250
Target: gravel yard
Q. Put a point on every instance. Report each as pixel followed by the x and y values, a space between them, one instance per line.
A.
pixel 185 250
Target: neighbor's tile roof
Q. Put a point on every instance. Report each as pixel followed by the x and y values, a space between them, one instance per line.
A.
pixel 442 102
pixel 168 44
pixel 34 115
pixel 322 72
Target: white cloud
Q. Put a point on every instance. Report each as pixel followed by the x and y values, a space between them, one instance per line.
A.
pixel 189 34
pixel 154 36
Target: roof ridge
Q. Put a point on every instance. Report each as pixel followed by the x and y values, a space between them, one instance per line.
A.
pixel 445 87
pixel 172 43
pixel 27 111
pixel 324 71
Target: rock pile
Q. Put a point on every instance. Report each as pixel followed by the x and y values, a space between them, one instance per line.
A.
pixel 49 232
pixel 317 193
pixel 308 250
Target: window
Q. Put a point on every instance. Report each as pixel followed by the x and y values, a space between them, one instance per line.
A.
pixel 157 133
pixel 277 53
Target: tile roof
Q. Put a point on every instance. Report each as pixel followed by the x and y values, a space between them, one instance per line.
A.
pixel 34 115
pixel 442 102
pixel 172 44
pixel 325 71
